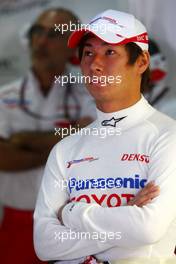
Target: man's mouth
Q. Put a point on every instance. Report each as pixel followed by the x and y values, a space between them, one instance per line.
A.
pixel 98 80
pixel 40 53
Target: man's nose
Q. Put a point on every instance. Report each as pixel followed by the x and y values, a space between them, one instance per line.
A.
pixel 97 64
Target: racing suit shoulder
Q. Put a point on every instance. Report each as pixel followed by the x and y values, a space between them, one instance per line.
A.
pixel 162 123
pixel 76 137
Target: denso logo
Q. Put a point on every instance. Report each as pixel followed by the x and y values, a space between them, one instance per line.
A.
pixel 138 157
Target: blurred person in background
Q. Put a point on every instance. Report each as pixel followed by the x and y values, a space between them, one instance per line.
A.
pixel 30 109
pixel 158 93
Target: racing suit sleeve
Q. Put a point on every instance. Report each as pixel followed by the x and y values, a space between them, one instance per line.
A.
pixel 139 226
pixel 52 240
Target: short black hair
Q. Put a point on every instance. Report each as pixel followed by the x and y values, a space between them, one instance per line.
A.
pixel 134 51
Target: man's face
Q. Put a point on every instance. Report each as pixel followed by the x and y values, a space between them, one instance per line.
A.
pixel 102 59
pixel 50 50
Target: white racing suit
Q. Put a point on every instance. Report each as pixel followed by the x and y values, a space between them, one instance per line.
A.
pixel 99 170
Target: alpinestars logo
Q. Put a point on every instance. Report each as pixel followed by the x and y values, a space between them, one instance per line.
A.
pixel 112 122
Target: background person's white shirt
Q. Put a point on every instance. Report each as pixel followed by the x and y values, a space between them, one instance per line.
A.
pixel 19 189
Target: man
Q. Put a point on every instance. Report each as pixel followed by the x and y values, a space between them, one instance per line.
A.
pixel 104 175
pixel 30 109
pixel 158 93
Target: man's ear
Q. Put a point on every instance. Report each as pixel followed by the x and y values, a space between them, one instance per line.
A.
pixel 143 61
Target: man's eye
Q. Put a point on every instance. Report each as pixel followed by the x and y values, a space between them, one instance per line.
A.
pixel 110 52
pixel 87 53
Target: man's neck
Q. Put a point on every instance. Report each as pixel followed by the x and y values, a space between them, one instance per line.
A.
pixel 117 105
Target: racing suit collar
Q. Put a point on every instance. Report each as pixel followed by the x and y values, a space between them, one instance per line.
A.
pixel 127 117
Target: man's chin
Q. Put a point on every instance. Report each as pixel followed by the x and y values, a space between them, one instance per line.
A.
pixel 40 62
pixel 100 85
